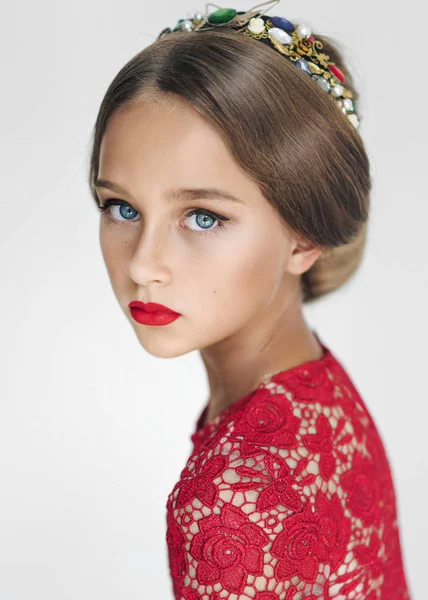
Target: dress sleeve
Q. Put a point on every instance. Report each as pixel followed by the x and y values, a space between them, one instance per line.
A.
pixel 261 511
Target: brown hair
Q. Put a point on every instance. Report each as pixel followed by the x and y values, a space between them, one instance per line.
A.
pixel 289 137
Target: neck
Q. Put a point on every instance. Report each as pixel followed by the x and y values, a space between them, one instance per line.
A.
pixel 237 365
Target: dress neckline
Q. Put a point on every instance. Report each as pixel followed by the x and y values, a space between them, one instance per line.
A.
pixel 201 430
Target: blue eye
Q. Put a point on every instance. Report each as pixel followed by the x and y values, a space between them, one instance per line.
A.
pixel 126 212
pixel 207 217
pixel 204 218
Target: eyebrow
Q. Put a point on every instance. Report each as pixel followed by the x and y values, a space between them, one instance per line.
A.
pixel 181 194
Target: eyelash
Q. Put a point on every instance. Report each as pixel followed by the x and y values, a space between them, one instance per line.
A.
pixel 108 203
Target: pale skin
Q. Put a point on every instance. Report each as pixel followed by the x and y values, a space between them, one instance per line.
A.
pixel 237 288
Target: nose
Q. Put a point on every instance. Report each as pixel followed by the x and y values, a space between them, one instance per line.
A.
pixel 148 262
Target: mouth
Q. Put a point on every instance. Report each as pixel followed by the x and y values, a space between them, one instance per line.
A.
pixel 152 313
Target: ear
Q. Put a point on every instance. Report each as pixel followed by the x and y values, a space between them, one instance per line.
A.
pixel 303 255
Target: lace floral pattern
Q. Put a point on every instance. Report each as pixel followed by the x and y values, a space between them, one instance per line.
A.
pixel 287 495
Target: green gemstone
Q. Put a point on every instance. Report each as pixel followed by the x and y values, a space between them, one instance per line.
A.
pixel 223 15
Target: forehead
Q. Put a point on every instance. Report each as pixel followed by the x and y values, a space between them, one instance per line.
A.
pixel 168 143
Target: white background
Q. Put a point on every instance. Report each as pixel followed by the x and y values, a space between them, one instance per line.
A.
pixel 93 430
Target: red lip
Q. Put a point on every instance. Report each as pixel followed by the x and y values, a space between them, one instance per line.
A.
pixel 152 313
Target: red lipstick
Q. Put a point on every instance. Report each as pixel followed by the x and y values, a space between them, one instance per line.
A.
pixel 152 313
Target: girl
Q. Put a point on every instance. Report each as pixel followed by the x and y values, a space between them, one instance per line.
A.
pixel 234 187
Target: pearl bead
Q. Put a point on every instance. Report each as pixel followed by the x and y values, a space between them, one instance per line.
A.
pixel 348 104
pixel 354 120
pixel 337 90
pixel 198 17
pixel 186 25
pixel 303 31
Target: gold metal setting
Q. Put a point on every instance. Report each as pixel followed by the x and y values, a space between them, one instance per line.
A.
pixel 307 48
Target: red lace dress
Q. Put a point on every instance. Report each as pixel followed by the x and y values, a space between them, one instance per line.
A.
pixel 287 494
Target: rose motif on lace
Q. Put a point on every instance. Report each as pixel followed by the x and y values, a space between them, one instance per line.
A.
pixel 277 485
pixel 228 549
pixel 268 420
pixel 310 538
pixel 362 485
pixel 308 383
pixel 325 443
pixel 201 486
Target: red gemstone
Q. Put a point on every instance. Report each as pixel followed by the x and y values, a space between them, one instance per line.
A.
pixel 311 39
pixel 337 72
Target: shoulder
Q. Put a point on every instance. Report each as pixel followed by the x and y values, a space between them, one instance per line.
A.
pixel 283 494
pixel 296 410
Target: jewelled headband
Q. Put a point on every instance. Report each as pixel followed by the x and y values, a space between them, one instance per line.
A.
pixel 296 43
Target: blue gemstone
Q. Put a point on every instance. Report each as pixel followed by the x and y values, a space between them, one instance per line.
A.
pixel 283 24
pixel 303 65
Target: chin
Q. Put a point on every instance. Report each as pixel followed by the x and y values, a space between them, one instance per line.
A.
pixel 161 346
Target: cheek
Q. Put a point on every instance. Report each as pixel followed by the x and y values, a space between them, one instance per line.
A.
pixel 254 272
pixel 240 277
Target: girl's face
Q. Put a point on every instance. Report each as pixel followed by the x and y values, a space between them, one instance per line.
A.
pixel 228 266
